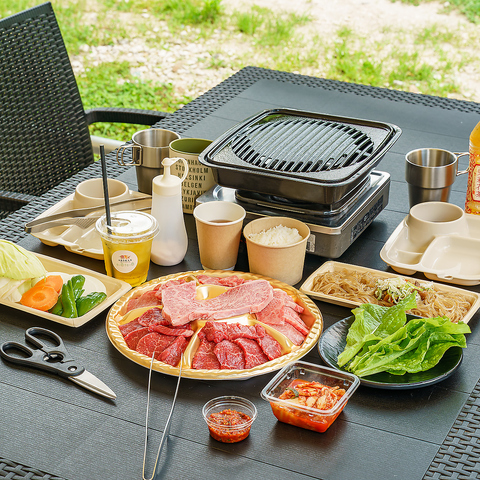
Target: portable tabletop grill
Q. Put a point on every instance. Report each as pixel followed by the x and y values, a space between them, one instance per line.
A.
pixel 314 167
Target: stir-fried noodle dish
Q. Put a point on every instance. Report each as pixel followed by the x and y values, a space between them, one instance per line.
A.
pixel 364 287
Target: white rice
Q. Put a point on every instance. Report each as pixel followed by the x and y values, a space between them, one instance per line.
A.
pixel 275 236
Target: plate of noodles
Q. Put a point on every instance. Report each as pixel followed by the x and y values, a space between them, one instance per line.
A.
pixel 352 285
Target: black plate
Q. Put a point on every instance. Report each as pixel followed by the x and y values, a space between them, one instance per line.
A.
pixel 333 342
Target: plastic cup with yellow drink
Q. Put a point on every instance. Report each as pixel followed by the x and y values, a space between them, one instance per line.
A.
pixel 127 243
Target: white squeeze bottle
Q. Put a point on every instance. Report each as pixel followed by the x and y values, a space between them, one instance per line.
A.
pixel 170 244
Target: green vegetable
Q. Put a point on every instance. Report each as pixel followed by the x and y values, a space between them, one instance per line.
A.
pixel 294 391
pixel 380 339
pixel 19 269
pixel 68 300
pixel 89 302
pixel 78 281
pixel 17 263
pixel 57 309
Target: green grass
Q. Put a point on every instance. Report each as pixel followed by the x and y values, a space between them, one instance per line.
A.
pixel 113 85
pixel 269 28
pixel 272 37
pixel 470 8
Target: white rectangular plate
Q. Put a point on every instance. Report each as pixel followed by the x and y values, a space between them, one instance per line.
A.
pixel 332 266
pixel 115 289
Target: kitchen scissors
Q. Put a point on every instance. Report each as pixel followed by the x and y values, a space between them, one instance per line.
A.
pixel 51 355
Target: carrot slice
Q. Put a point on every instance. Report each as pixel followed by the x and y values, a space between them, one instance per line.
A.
pixel 55 281
pixel 40 297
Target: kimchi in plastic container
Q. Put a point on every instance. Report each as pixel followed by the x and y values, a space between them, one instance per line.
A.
pixel 309 396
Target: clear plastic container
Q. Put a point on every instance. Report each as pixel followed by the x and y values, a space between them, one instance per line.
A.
pixel 311 418
pixel 229 418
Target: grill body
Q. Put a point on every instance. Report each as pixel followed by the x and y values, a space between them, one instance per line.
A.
pixel 301 156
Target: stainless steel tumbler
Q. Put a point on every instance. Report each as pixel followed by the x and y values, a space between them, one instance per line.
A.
pixel 430 174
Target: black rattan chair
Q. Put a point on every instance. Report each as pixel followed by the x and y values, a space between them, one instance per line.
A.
pixel 45 136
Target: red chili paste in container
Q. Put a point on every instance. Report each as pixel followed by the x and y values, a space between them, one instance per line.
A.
pixel 229 419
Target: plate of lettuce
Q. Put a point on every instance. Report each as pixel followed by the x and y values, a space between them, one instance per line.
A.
pixel 387 348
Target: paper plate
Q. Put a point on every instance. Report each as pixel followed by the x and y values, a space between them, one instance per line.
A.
pixel 115 289
pixel 311 316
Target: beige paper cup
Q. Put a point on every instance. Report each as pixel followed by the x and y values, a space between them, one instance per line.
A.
pixel 219 228
pixel 90 192
pixel 281 262
pixel 199 178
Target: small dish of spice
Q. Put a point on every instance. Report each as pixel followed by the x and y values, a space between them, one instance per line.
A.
pixel 229 418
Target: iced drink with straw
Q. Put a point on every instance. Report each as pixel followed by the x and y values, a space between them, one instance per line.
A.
pixel 127 243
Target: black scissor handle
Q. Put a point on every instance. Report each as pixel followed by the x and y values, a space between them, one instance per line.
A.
pixel 52 359
pixel 34 336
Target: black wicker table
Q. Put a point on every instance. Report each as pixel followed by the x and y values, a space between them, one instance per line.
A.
pixel 51 429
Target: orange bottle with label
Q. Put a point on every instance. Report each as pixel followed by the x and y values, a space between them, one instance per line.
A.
pixel 472 202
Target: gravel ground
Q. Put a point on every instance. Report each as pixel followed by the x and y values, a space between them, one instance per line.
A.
pixel 195 65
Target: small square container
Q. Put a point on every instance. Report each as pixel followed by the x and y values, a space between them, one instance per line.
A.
pixel 293 413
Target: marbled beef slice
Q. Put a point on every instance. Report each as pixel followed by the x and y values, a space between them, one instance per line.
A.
pixel 250 297
pixel 230 356
pixel 205 358
pixel 253 353
pixel 179 303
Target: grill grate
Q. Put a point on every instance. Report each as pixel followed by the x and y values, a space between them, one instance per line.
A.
pixel 297 144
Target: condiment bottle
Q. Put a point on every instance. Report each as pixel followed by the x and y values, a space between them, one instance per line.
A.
pixel 170 244
pixel 472 202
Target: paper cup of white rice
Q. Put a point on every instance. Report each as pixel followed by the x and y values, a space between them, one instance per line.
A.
pixel 276 247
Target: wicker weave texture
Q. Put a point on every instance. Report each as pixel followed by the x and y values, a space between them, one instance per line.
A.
pixel 13 471
pixel 45 134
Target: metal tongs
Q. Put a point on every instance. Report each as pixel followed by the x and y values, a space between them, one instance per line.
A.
pixel 77 216
pixel 167 425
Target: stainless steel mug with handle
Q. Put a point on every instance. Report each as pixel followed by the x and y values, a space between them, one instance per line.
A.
pixel 430 174
pixel 149 148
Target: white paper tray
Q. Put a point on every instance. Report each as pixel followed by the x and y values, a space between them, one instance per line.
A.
pixel 448 258
pixel 332 266
pixel 115 289
pixel 75 239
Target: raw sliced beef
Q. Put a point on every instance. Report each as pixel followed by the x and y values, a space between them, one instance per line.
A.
pixel 230 356
pixel 231 281
pixel 152 316
pixel 148 299
pixel 214 331
pixel 176 332
pixel 218 331
pixel 253 353
pixel 173 353
pixel 293 318
pixel 134 337
pixel 205 357
pixel 290 302
pixel 126 328
pixel 162 343
pixel 238 330
pixel 147 343
pixel 272 314
pixel 179 303
pixel 250 297
pixel 170 283
pixel 271 348
pixel 291 333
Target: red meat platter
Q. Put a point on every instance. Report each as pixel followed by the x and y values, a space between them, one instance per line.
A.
pixel 233 314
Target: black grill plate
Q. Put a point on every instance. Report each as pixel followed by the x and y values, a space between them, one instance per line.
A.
pixel 298 155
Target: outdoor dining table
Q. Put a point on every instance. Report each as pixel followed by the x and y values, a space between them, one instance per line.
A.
pixel 53 429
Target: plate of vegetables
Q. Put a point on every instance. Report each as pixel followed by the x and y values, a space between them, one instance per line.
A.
pixel 387 348
pixel 49 288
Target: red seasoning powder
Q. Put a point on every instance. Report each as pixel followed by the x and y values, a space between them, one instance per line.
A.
pixel 229 426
